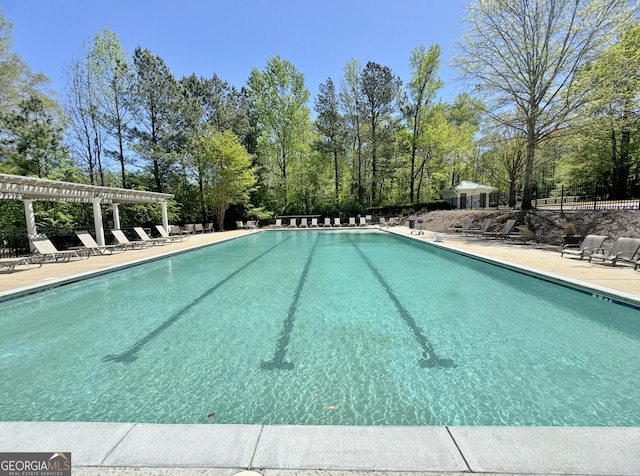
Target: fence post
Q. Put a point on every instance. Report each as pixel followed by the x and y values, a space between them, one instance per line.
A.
pixel 561 197
pixel 595 195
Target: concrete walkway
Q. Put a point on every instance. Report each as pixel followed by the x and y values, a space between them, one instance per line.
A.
pixel 144 449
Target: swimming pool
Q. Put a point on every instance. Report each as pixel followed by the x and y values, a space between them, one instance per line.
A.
pixel 319 327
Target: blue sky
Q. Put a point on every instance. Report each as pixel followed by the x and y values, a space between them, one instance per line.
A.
pixel 230 37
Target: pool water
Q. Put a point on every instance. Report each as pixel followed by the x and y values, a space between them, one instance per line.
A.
pixel 319 327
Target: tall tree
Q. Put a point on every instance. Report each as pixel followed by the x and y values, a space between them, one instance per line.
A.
pixel 156 99
pixel 351 105
pixel 228 174
pixel 422 88
pixel 381 90
pixel 112 78
pixel 330 124
pixel 613 108
pixel 523 55
pixel 85 128
pixel 278 98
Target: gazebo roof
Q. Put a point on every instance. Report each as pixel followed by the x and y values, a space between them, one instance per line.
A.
pixel 17 187
pixel 467 185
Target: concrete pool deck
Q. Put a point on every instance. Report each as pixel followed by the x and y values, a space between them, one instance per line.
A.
pixel 141 449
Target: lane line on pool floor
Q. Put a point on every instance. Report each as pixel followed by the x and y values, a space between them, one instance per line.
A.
pixel 129 355
pixel 277 362
pixel 429 358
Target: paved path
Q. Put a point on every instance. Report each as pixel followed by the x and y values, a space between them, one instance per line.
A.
pixel 143 449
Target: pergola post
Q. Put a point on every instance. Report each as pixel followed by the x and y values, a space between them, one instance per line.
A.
pixel 31 218
pixel 97 221
pixel 165 217
pixel 116 216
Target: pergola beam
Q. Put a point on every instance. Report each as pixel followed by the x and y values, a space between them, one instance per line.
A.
pixel 29 189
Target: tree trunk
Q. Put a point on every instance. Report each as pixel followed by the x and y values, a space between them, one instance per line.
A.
pixel 528 169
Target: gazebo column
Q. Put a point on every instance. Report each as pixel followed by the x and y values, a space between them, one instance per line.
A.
pixel 31 218
pixel 116 216
pixel 165 217
pixel 97 221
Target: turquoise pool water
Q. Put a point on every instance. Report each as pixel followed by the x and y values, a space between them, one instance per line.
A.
pixel 319 327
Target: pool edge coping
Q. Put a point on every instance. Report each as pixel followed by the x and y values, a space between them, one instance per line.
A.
pixel 389 449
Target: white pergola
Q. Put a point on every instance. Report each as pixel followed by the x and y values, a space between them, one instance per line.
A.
pixel 30 189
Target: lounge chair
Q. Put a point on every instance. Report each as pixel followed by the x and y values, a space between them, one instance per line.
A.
pixel 506 229
pixel 479 231
pixel 94 248
pixel 144 237
pixel 123 240
pixel 251 225
pixel 175 230
pixel 239 225
pixel 11 263
pixel 171 237
pixel 352 221
pixel 190 228
pixel 278 223
pixel 369 219
pixel 463 228
pixel 208 228
pixel 363 221
pixel 623 249
pixel 292 223
pixel 327 222
pixel 382 222
pixel 393 221
pixel 314 223
pixel 336 222
pixel 590 244
pixel 303 223
pixel 198 228
pixel 47 250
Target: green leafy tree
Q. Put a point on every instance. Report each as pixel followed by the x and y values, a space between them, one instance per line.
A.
pixel 31 140
pixel 156 100
pixel 331 126
pixel 422 89
pixel 523 56
pixel 229 175
pixel 351 102
pixel 611 133
pixel 382 94
pixel 278 99
pixel 112 78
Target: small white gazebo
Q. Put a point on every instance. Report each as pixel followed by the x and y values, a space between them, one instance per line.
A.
pixel 468 195
pixel 28 189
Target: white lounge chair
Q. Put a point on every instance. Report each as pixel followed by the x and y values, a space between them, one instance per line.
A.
pixel 48 251
pixel 336 222
pixel 292 223
pixel 123 240
pixel 314 223
pixel 382 222
pixel 327 222
pixel 94 248
pixel 175 230
pixel 589 244
pixel 363 221
pixel 352 221
pixel 278 223
pixel 303 223
pixel 198 228
pixel 208 228
pixel 172 238
pixel 239 225
pixel 623 249
pixel 144 237
pixel 251 225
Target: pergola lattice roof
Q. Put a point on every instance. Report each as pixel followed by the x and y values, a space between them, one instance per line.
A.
pixel 16 187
